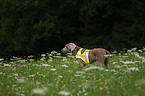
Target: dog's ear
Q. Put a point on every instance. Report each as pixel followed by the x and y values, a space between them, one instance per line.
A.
pixel 72 46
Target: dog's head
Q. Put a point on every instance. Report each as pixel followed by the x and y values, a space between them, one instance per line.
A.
pixel 68 47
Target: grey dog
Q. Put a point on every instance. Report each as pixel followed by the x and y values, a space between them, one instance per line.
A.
pixel 97 55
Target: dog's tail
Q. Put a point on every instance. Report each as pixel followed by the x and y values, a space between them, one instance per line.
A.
pixel 108 53
pixel 107 58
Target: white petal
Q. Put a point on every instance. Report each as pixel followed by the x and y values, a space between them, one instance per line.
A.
pixel 64 93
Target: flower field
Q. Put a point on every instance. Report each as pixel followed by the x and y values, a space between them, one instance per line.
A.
pixel 55 75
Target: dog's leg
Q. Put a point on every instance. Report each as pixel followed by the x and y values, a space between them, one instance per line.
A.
pixel 99 64
pixel 81 63
pixel 106 62
pixel 100 60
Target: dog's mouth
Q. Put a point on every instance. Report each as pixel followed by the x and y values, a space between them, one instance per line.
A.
pixel 62 51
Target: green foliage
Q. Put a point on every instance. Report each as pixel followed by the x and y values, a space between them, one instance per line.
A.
pixel 35 26
pixel 61 75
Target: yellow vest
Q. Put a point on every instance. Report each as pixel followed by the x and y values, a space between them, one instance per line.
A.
pixel 83 56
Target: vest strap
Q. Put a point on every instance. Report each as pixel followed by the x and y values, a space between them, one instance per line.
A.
pixel 84 56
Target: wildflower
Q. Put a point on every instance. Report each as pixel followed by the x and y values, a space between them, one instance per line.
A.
pixel 43 58
pixel 89 77
pixel 93 67
pixel 20 81
pixel 43 55
pixel 58 54
pixel 12 59
pixel 39 91
pixel 53 52
pixel 64 93
pixel 129 51
pixel 64 65
pixel 84 90
pixel 47 71
pixel 1 59
pixel 140 51
pixel 24 65
pixel 49 55
pixel 115 52
pixel 134 69
pixel 31 75
pixel 53 69
pixel 134 49
pixel 86 94
pixel 22 61
pixel 7 65
pixel 143 49
pixel 77 75
pixel 38 83
pixel 60 76
pixel 101 88
pixel 50 60
pixel 31 59
pixel 66 62
pixel 80 72
pixel 127 62
pixel 30 56
pixel 45 65
pixel 114 62
pixel 108 55
pixel 15 74
pixel 101 82
pixel 64 59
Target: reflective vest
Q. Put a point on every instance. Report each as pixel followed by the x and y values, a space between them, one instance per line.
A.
pixel 84 56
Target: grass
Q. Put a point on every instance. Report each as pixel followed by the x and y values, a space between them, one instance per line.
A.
pixel 61 76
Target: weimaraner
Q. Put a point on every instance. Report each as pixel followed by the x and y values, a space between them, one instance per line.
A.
pixel 97 54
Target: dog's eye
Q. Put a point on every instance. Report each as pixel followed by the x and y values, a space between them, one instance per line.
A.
pixel 66 47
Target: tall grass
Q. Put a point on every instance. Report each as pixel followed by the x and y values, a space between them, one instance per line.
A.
pixel 60 75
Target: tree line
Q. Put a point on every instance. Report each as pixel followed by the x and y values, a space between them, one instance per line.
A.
pixel 36 26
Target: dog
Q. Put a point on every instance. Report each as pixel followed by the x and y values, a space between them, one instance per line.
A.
pixel 85 56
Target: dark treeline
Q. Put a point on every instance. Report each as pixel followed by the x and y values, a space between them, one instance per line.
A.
pixel 36 26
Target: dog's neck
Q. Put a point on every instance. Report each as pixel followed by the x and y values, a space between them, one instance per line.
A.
pixel 74 52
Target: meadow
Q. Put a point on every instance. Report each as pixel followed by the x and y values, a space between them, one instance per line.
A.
pixel 55 75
